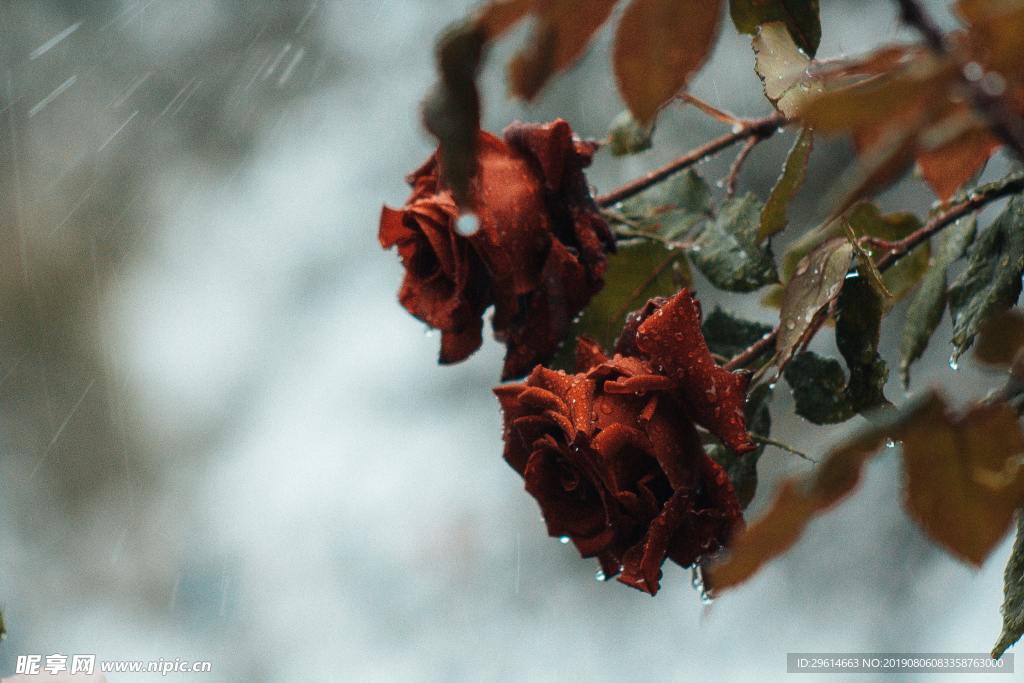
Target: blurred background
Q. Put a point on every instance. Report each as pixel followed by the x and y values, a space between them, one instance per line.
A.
pixel 223 439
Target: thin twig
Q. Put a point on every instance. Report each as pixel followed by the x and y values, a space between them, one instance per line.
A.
pixel 768 441
pixel 710 110
pixel 1006 125
pixel 900 248
pixel 753 352
pixel 976 200
pixel 764 128
pixel 737 164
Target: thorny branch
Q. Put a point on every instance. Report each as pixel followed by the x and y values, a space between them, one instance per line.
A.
pixel 737 164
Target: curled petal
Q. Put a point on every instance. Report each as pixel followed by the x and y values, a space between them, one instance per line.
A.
pixel 640 384
pixel 542 399
pixel 588 354
pixel 672 340
pixel 642 563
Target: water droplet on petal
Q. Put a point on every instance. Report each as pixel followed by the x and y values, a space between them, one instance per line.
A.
pixel 467 224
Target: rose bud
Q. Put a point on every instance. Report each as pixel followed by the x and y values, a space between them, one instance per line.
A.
pixel 615 462
pixel 537 255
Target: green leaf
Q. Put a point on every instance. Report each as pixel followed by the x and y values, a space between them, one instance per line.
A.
pixel 782 68
pixel 866 267
pixel 727 334
pixel 727 251
pixel 742 469
pixel 867 220
pixel 452 109
pixel 819 388
pixel 925 311
pixel 821 391
pixel 627 136
pixel 636 272
pixel 670 209
pixel 816 283
pixel 991 282
pixel 685 191
pixel 858 324
pixel 1013 595
pixel 801 18
pixel 773 217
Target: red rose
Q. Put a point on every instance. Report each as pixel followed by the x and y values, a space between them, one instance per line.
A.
pixel 537 257
pixel 613 456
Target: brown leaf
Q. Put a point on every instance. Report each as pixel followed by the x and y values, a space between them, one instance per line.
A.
pixel 498 16
pixel 561 34
pixel 948 167
pixel 797 503
pixel 451 111
pixel 783 68
pixel 1000 338
pixel 659 44
pixel 815 284
pixel 964 476
pixel 875 102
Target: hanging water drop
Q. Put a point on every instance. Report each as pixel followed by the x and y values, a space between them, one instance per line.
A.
pixel 599 575
pixel 467 224
pixel 954 364
pixel 563 540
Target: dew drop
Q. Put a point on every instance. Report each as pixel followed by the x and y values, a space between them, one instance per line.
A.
pixel 467 224
pixel 564 540
pixel 993 84
pixel 599 575
pixel 697 581
pixel 973 71
pixel 953 363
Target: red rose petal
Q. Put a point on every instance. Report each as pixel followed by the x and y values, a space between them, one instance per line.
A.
pixel 588 354
pixel 672 340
